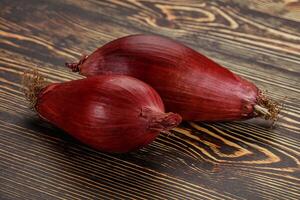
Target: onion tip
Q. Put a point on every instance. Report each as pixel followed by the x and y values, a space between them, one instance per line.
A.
pixel 75 67
pixel 162 122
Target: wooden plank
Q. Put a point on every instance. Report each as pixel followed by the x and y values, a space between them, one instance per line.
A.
pixel 287 9
pixel 237 160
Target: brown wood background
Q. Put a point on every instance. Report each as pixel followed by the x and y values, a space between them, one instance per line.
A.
pixel 259 40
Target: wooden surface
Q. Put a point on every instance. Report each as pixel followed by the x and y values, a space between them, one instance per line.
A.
pixel 259 40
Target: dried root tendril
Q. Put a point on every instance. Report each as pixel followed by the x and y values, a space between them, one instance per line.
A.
pixel 33 82
pixel 267 108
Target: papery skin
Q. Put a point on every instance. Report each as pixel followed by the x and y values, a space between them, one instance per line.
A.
pixel 188 82
pixel 109 113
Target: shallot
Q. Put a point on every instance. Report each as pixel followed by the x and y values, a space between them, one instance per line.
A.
pixel 189 83
pixel 112 113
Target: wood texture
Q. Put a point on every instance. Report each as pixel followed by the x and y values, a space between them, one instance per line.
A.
pixel 259 40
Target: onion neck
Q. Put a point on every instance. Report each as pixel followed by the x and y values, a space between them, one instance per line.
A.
pixel 159 121
pixel 266 107
pixel 75 67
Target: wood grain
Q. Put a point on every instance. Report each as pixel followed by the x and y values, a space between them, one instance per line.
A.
pixel 259 40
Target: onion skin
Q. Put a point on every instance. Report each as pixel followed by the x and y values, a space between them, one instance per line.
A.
pixel 189 83
pixel 109 113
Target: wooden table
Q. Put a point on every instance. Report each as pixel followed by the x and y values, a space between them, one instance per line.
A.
pixel 259 40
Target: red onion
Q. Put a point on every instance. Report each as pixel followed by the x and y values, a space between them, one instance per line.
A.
pixel 112 113
pixel 188 82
